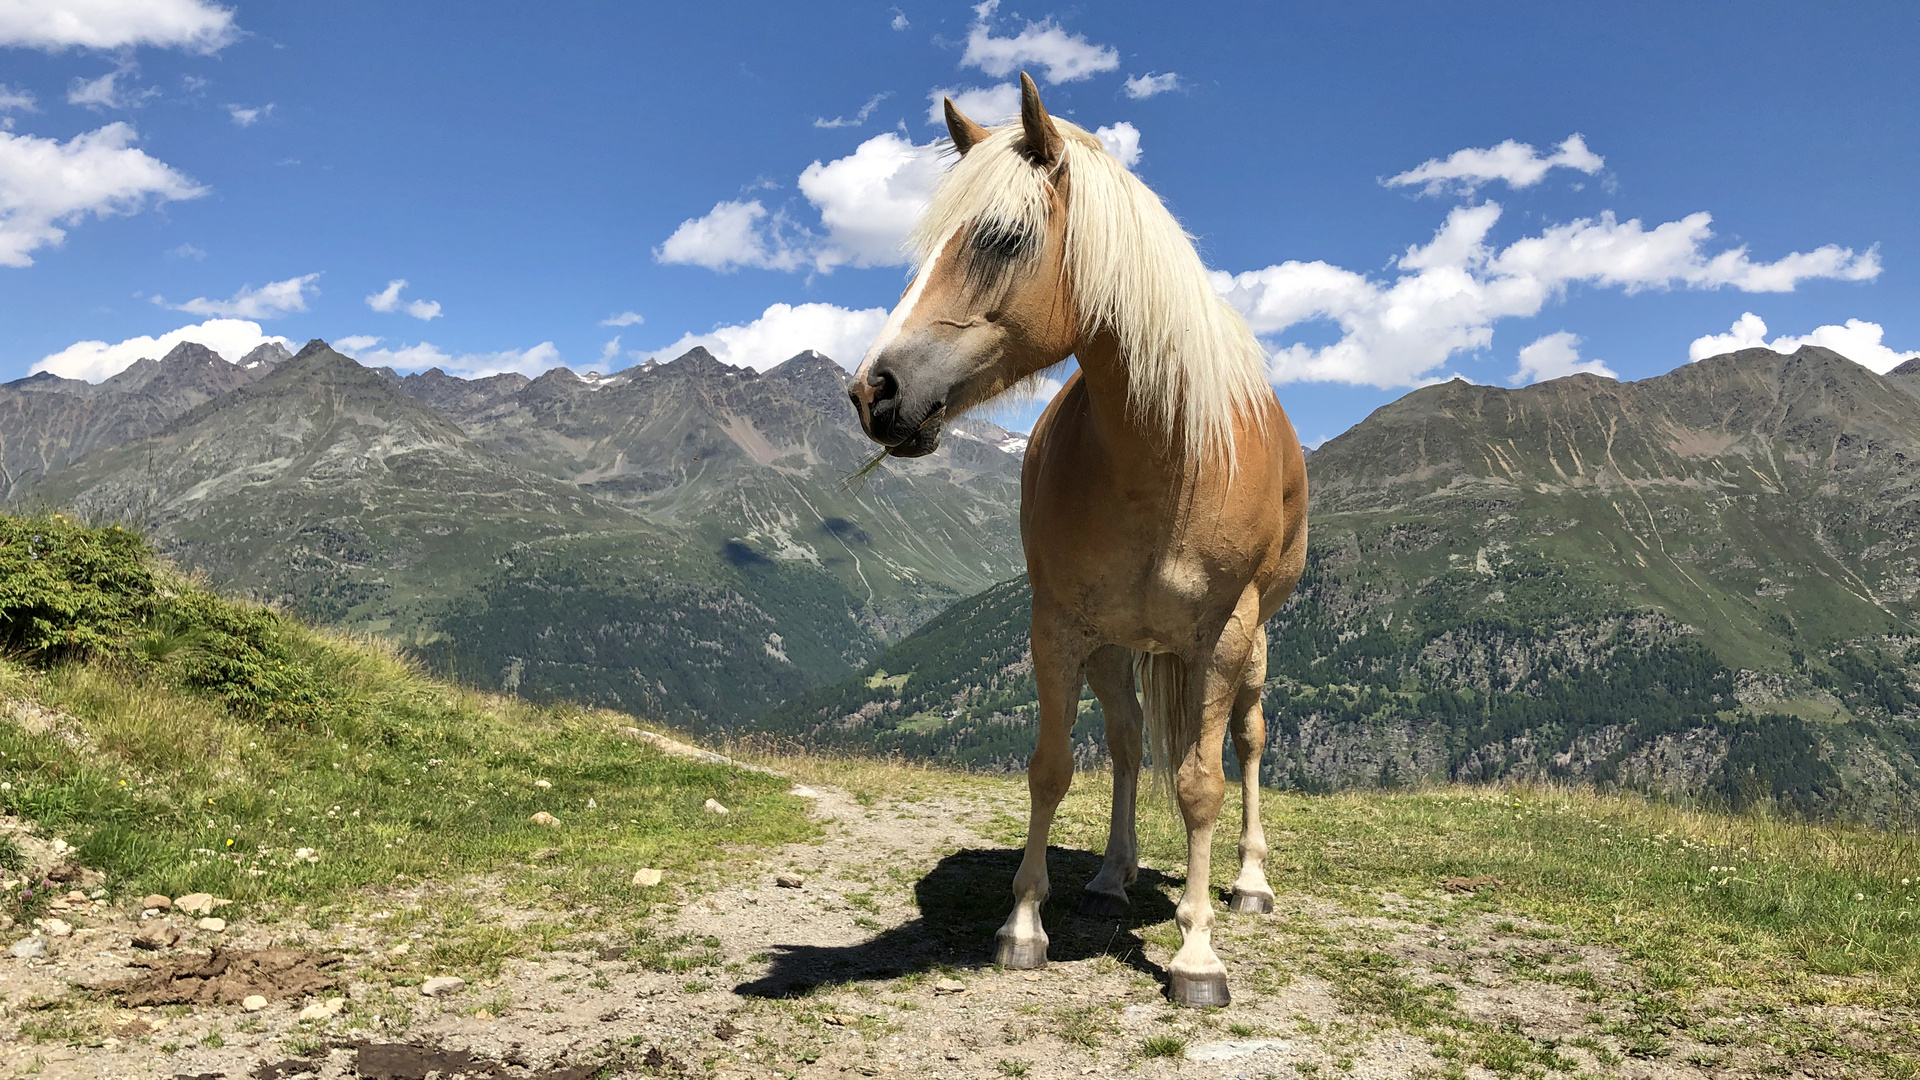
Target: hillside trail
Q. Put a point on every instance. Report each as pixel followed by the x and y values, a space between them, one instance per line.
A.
pixel 865 952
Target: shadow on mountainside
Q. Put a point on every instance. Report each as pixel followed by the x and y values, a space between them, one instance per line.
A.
pixel 962 901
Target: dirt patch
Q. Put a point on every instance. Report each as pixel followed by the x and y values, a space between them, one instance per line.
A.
pixel 403 1061
pixel 226 976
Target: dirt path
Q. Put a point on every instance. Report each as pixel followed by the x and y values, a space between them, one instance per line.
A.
pixel 876 964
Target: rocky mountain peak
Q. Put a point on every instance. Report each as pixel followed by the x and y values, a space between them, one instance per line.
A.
pixel 266 353
pixel 311 347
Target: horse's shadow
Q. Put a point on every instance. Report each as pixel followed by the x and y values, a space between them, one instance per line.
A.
pixel 962 901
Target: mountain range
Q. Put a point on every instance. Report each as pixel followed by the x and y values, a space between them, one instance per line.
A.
pixel 677 539
pixel 1702 583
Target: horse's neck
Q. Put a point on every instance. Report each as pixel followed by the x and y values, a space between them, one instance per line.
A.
pixel 1136 446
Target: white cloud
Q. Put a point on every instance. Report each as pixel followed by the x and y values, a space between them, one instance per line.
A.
pixel 899 19
pixel 731 235
pixel 625 318
pixel 1066 57
pixel 859 117
pixel 1858 341
pixel 388 300
pixel 785 329
pixel 1449 293
pixel 97 360
pixel 1556 356
pixel 14 100
pixel 609 353
pixel 867 201
pixel 353 343
pixel 271 300
pixel 987 105
pixel 56 25
pixel 247 117
pixel 106 92
pixel 1145 86
pixel 425 355
pixel 46 184
pixel 1122 140
pixel 1516 164
pixel 187 251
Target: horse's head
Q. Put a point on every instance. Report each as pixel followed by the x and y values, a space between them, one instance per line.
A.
pixel 989 304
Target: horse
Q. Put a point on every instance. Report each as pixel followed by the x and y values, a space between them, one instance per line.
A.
pixel 1163 495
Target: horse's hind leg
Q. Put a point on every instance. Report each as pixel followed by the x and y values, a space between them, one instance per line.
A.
pixel 1249 728
pixel 1057 656
pixel 1110 672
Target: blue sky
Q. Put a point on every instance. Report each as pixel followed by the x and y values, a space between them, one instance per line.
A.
pixel 1389 190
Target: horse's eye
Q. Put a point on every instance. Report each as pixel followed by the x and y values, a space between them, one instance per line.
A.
pixel 998 242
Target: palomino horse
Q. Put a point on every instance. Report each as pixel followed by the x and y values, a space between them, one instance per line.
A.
pixel 1163 498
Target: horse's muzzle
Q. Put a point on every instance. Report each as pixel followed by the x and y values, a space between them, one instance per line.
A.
pixel 878 403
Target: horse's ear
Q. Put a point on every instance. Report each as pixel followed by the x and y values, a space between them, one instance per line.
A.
pixel 1043 139
pixel 964 131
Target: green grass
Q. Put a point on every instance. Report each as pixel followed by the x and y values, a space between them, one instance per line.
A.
pixel 134 724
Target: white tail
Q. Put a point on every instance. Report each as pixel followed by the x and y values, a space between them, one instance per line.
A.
pixel 1162 681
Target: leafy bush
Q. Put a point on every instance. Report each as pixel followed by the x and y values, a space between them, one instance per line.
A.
pixel 70 592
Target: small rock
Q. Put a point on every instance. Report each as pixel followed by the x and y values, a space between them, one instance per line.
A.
pixel 156 902
pixel 75 896
pixel 804 792
pixel 543 783
pixel 6 921
pixel 58 928
pixel 790 881
pixel 33 948
pixel 198 903
pixel 1227 1051
pixel 156 936
pixel 544 818
pixel 647 877
pixel 323 1010
pixel 213 924
pixel 253 1003
pixel 442 985
pixel 713 807
pixel 401 949
pixel 949 986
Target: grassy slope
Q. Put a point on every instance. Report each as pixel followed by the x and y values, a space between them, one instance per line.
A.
pixel 169 786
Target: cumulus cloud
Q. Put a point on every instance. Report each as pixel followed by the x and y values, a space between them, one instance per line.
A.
pixel 1145 86
pixel 187 251
pixel 1516 164
pixel 57 25
pixel 271 300
pixel 859 117
pixel 106 92
pixel 988 105
pixel 1122 140
pixel 867 201
pixel 97 360
pixel 47 186
pixel 610 352
pixel 899 19
pixel 353 343
pixel 426 355
pixel 785 329
pixel 1556 356
pixel 625 318
pixel 1448 294
pixel 1063 57
pixel 388 300
pixel 14 100
pixel 246 116
pixel 1858 341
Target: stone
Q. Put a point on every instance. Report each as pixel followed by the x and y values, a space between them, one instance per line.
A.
pixel 6 921
pixel 647 877
pixel 156 902
pixel 546 819
pixel 442 985
pixel 157 935
pixel 253 1002
pixel 790 881
pixel 949 986
pixel 804 792
pixel 58 928
pixel 713 807
pixel 1229 1050
pixel 197 903
pixel 33 948
pixel 75 896
pixel 401 949
pixel 323 1010
pixel 542 783
pixel 213 924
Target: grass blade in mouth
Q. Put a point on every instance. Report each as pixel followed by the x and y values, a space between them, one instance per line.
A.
pixel 872 464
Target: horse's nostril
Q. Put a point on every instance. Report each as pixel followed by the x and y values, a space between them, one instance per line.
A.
pixel 884 385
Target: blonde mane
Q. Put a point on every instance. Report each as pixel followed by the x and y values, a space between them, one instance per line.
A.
pixel 1193 364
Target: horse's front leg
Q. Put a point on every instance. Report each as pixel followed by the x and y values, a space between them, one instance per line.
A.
pixel 1110 672
pixel 1195 974
pixel 1057 656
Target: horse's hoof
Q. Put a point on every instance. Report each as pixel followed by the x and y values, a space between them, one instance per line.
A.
pixel 1103 906
pixel 1020 955
pixel 1198 991
pixel 1250 903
